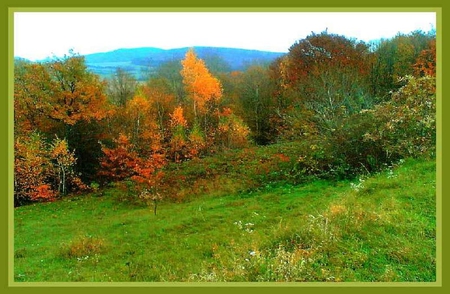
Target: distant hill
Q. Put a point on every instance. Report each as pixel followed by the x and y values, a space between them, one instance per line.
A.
pixel 141 61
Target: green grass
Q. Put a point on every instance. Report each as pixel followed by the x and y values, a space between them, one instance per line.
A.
pixel 380 229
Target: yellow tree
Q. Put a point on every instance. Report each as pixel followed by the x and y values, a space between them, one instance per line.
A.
pixel 64 161
pixel 203 89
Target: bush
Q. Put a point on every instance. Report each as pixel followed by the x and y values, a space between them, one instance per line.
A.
pixel 370 140
pixel 408 126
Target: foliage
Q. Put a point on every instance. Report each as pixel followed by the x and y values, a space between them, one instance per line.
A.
pixel 405 54
pixel 325 199
pixel 408 121
pixel 197 141
pixel 162 100
pixel 328 75
pixel 178 142
pixel 42 171
pixel 60 97
pixel 121 87
pixel 76 93
pixel 232 131
pixel 426 62
pixel 203 89
pixel 332 108
pixel 118 163
pixel 255 103
pixel 64 161
pixel 32 170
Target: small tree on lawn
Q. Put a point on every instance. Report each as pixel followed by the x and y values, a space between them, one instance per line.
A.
pixel 148 178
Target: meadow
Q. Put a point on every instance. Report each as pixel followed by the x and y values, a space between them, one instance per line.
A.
pixel 374 228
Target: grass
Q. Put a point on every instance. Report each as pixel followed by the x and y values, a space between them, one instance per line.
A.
pixel 381 228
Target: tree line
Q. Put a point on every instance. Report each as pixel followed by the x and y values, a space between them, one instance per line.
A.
pixel 360 104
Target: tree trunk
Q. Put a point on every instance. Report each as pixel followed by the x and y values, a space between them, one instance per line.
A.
pixel 63 181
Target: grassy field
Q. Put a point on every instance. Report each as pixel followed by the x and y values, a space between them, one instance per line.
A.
pixel 380 227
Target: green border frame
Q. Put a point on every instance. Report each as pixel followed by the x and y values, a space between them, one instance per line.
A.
pixel 231 5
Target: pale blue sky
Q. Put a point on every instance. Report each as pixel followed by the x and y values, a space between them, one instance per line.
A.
pixel 38 35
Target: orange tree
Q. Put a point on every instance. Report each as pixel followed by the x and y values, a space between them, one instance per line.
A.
pixel 204 92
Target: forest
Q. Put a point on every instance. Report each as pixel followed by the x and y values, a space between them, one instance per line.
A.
pixel 351 107
pixel 317 167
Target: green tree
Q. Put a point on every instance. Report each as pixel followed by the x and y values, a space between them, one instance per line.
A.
pixel 121 87
pixel 255 90
pixel 171 72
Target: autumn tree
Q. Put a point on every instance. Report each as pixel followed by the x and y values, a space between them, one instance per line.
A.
pixel 119 161
pixel 426 61
pixel 203 90
pixel 64 160
pixel 397 57
pixel 61 97
pixel 327 74
pixel 148 177
pixel 79 104
pixel 77 93
pixel 140 124
pixel 178 140
pixel 32 170
pixel 33 93
pixel 43 171
pixel 122 161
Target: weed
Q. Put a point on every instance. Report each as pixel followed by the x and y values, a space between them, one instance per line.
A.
pixel 83 247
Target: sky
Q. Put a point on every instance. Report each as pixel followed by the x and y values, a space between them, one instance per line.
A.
pixel 38 35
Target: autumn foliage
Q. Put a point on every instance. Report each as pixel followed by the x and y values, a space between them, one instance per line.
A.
pixel 43 171
pixel 350 106
pixel 202 88
pixel 118 163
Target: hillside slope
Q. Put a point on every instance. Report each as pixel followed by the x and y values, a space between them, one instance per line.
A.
pixel 376 228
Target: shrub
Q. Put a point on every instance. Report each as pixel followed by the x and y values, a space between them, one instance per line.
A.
pixel 409 119
pixel 83 246
pixel 372 139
